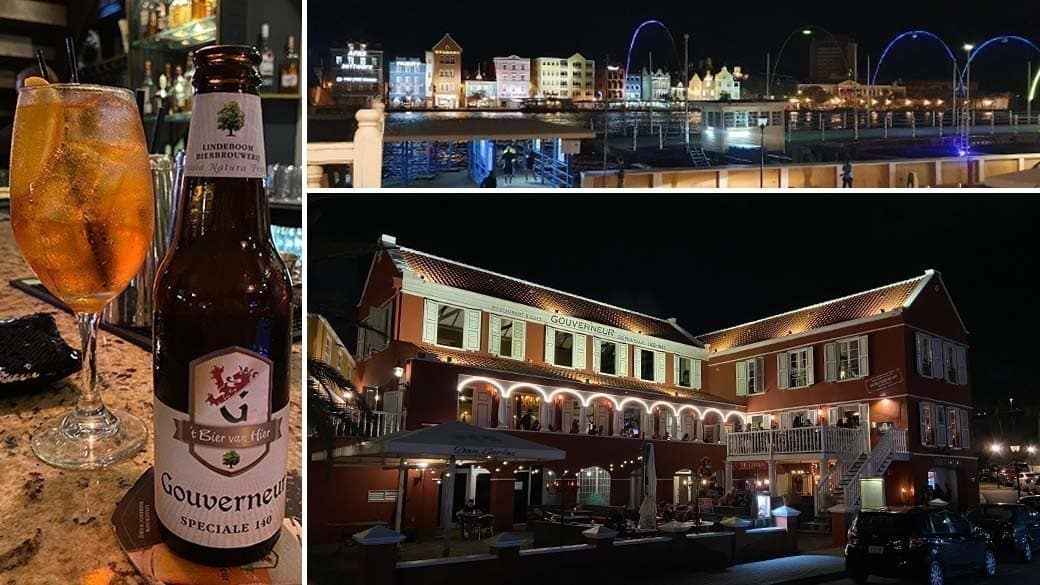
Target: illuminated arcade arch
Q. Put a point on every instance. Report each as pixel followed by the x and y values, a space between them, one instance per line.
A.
pixel 911 34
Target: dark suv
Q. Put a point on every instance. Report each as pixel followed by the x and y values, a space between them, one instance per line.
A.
pixel 1014 528
pixel 916 542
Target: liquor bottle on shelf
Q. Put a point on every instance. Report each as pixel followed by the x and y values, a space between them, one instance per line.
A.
pixel 162 16
pixel 189 76
pixel 180 91
pixel 180 13
pixel 198 9
pixel 222 333
pixel 146 23
pixel 211 7
pixel 148 89
pixel 290 70
pixel 162 96
pixel 266 58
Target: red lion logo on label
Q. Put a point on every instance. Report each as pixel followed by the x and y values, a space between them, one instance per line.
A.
pixel 228 387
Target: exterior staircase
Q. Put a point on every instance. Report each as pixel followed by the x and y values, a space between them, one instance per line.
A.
pixel 699 158
pixel 891 447
pixel 839 490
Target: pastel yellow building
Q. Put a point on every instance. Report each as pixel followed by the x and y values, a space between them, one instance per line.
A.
pixel 324 345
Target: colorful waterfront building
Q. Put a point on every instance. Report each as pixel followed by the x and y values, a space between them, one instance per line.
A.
pixel 513 75
pixel 407 82
pixel 572 78
pixel 445 65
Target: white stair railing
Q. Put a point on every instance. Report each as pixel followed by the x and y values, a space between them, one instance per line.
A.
pixel 893 441
pixel 822 491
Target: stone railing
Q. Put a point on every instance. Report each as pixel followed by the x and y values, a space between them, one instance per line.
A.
pixel 364 155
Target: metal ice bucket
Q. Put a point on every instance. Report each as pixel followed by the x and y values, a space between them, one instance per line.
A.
pixel 133 308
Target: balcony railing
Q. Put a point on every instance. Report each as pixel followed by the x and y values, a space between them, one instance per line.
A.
pixel 820 439
pixel 354 423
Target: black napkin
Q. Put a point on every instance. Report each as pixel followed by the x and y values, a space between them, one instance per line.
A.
pixel 33 354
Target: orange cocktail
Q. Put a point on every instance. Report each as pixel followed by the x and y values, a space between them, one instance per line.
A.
pixel 81 190
pixel 82 210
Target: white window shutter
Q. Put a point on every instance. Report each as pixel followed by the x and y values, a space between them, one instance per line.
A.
pixel 361 342
pixel 785 420
pixel 760 374
pixel 962 364
pixel 919 342
pixel 965 433
pixel 622 359
pixel 940 426
pixel 697 374
pixel 597 357
pixel 659 367
pixel 637 361
pixel 429 332
pixel 550 345
pixel 494 334
pixel 810 369
pixel 949 359
pixel 519 339
pixel 782 363
pixel 864 356
pixel 471 333
pixel 938 361
pixel 830 362
pixel 579 361
pixel 921 420
pixel 833 416
pixel 742 388
pixel 675 369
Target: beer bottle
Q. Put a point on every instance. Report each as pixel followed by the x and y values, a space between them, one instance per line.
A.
pixel 222 333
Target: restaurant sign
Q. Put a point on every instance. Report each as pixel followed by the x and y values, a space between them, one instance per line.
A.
pixel 750 466
pixel 886 380
pixel 500 452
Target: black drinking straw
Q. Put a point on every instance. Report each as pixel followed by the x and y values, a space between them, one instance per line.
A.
pixel 41 62
pixel 159 117
pixel 70 50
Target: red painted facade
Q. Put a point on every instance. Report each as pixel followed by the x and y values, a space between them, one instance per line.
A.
pixel 434 377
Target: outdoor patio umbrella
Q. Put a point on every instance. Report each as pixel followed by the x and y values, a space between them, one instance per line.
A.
pixel 648 509
pixel 452 441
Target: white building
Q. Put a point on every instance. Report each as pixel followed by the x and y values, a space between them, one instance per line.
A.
pixel 724 85
pixel 655 85
pixel 513 75
pixel 573 78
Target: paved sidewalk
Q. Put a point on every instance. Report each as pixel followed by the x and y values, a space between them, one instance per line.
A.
pixel 800 569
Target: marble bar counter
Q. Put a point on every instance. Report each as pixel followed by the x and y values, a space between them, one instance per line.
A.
pixel 55 524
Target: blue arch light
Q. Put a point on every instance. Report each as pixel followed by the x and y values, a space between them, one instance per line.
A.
pixel 632 43
pixel 911 34
pixel 1002 40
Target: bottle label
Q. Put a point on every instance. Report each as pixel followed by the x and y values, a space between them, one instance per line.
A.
pixel 220 468
pixel 289 80
pixel 226 137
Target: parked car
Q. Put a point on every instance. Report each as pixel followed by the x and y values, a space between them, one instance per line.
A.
pixel 989 473
pixel 1014 528
pixel 922 543
pixel 1033 501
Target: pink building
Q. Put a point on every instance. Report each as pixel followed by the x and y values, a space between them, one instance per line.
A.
pixel 513 75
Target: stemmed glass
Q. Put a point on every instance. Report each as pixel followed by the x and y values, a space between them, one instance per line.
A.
pixel 82 212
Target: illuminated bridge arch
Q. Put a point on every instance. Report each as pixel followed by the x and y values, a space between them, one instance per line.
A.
pixel 635 35
pixel 911 34
pixel 1002 40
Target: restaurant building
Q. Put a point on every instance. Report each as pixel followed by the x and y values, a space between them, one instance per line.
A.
pixel 407 83
pixel 356 74
pixel 749 405
pixel 572 78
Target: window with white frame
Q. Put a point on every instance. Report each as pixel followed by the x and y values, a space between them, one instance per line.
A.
pixel 846 359
pixel 646 365
pixel 609 357
pixel 684 371
pixel 751 376
pixel 594 486
pixel 927 423
pixel 506 337
pixel 953 423
pixel 941 359
pixel 795 368
pixel 564 349
pixel 451 326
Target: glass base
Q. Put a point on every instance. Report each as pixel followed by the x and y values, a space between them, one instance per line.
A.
pixel 77 441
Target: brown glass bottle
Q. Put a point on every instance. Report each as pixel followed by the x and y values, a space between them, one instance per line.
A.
pixel 222 333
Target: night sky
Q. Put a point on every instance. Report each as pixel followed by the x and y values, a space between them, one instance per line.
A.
pixel 730 33
pixel 715 262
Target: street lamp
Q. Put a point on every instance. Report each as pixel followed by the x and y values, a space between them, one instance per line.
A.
pixel 995 448
pixel 762 123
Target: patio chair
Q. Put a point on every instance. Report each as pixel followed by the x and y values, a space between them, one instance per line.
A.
pixel 706 505
pixel 486 522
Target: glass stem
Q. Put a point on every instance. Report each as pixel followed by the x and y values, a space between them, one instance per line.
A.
pixel 90 395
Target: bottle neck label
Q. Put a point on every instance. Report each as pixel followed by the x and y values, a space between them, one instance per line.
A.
pixel 220 467
pixel 226 137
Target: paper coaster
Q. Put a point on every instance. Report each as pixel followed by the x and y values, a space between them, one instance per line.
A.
pixel 137 530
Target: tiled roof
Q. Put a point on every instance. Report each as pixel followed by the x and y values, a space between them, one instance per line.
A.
pixel 478 280
pixel 849 308
pixel 566 375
